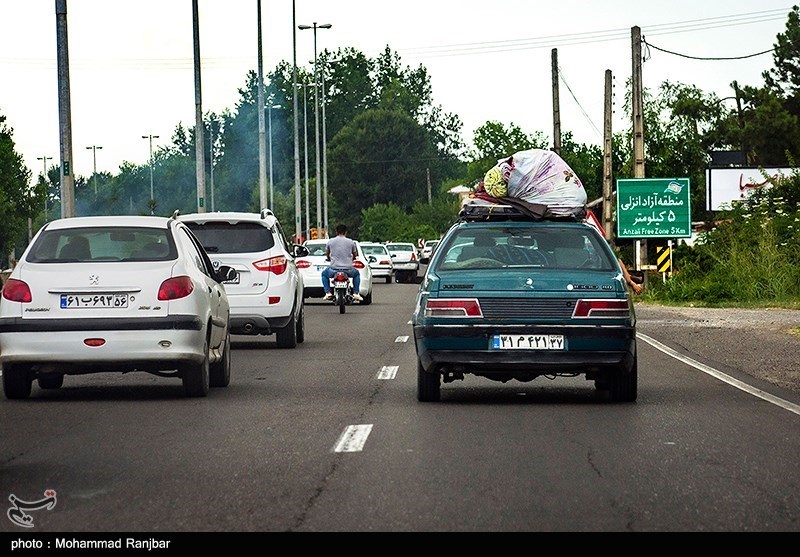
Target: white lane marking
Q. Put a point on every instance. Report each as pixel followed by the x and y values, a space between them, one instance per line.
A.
pixel 786 405
pixel 402 338
pixel 352 438
pixel 388 372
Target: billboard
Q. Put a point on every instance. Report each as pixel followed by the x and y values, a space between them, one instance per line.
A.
pixel 653 208
pixel 726 185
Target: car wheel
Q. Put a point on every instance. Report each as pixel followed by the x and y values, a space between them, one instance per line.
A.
pixel 220 372
pixel 50 381
pixel 429 385
pixel 301 324
pixel 367 299
pixel 17 381
pixel 196 381
pixel 286 337
pixel 389 279
pixel 623 383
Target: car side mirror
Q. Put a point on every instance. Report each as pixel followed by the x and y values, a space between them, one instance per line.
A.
pixel 226 273
pixel 299 251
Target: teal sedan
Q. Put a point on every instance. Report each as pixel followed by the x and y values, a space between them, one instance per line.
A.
pixel 510 298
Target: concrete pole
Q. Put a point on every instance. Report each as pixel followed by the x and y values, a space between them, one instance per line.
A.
pixel 638 130
pixel 324 157
pixel 608 224
pixel 556 103
pixel 297 215
pixel 67 178
pixel 262 142
pixel 305 156
pixel 316 133
pixel 199 128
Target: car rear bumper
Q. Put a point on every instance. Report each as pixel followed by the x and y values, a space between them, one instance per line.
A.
pixel 588 349
pixel 122 350
pixel 256 324
pixel 406 266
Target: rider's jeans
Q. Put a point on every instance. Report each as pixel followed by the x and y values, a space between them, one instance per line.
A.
pixel 352 272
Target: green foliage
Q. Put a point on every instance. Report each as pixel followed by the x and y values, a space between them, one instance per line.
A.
pixel 493 141
pixel 749 257
pixel 383 222
pixel 16 200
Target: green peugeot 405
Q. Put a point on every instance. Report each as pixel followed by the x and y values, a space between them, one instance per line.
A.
pixel 508 297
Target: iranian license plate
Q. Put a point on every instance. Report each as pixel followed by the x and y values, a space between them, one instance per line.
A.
pixel 528 342
pixel 73 301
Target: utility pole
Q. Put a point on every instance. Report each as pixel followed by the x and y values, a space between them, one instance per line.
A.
pixel 556 105
pixel 44 175
pixel 94 149
pixel 428 173
pixel 67 179
pixel 296 131
pixel 608 227
pixel 305 156
pixel 638 130
pixel 199 128
pixel 211 159
pixel 152 203
pixel 262 141
pixel 324 153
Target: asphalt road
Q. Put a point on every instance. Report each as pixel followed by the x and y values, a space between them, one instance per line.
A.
pixel 329 437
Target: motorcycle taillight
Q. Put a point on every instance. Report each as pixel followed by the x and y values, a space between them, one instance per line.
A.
pixel 340 276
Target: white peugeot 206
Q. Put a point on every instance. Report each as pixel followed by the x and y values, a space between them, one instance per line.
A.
pixel 115 294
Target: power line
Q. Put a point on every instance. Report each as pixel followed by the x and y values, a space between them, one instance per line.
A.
pixel 585 115
pixel 650 45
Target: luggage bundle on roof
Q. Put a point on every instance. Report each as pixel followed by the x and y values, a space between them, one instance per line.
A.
pixel 539 178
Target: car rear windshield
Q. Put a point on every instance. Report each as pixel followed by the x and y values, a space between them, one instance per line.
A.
pixel 317 248
pixel 374 250
pixel 400 247
pixel 554 247
pixel 227 237
pixel 107 243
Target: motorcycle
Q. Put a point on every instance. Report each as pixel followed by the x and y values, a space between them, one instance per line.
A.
pixel 342 290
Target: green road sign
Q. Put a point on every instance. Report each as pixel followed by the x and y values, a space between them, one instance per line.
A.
pixel 653 208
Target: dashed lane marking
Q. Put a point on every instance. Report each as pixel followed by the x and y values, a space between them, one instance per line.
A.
pixel 353 438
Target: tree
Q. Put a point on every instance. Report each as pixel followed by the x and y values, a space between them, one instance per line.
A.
pixel 16 199
pixel 380 157
pixel 493 141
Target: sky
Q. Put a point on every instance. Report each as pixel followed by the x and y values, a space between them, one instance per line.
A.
pixel 132 70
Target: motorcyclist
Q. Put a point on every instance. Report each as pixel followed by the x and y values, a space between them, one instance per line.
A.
pixel 341 251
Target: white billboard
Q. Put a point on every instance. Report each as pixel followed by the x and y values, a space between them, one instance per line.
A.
pixel 725 185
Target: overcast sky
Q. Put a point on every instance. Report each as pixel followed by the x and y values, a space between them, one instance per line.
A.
pixel 132 73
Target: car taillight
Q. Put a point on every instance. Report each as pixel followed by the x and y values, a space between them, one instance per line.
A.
pixel 386 262
pixel 175 288
pixel 303 264
pixel 451 307
pixel 358 264
pixel 601 308
pixel 275 265
pixel 17 291
pixel 413 257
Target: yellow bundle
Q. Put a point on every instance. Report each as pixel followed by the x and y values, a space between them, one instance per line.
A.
pixel 494 183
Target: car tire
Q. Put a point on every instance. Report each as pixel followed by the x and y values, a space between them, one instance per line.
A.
pixel 623 383
pixel 220 372
pixel 50 381
pixel 196 380
pixel 429 385
pixel 286 337
pixel 367 299
pixel 301 324
pixel 17 381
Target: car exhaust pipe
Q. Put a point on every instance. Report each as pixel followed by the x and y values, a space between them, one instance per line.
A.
pixel 248 328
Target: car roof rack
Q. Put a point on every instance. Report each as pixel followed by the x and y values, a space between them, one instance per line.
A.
pixel 481 210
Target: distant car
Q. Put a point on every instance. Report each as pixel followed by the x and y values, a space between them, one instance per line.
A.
pixel 311 267
pixel 510 298
pixel 405 259
pixel 379 259
pixel 115 294
pixel 266 296
pixel 427 250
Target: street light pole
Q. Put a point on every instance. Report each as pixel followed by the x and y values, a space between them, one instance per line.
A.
pixel 316 117
pixel 94 149
pixel 324 155
pixel 305 155
pixel 269 113
pixel 44 175
pixel 152 197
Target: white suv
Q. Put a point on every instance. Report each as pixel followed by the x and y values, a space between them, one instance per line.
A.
pixel 267 295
